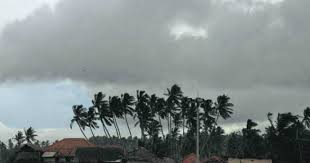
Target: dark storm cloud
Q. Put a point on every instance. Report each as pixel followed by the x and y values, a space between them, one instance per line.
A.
pixel 248 46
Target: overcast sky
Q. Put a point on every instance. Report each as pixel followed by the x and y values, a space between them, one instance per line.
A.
pixel 57 53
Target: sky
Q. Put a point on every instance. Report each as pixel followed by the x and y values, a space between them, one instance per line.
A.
pixel 58 53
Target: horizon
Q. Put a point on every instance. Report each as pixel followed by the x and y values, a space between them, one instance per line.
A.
pixel 58 53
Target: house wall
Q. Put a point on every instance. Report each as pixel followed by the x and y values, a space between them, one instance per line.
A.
pixel 49 160
pixel 232 160
pixel 60 160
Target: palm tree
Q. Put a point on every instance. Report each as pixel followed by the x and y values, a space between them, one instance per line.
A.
pixel 127 101
pixel 143 112
pixel 160 110
pixel 79 118
pixel 191 116
pixel 104 113
pixel 185 104
pixel 19 138
pixel 306 117
pixel 174 96
pixel 208 114
pixel 115 107
pixel 152 129
pixel 30 135
pixel 223 107
pixel 91 120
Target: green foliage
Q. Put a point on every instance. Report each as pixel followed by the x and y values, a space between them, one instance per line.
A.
pixel 253 142
pixel 179 111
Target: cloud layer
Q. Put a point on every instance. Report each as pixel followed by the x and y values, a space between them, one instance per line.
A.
pixel 255 51
pixel 248 44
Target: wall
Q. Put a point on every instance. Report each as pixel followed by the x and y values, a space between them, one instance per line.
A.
pixel 232 160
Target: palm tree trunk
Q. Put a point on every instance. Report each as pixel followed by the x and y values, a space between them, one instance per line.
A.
pixel 91 130
pixel 142 131
pixel 82 131
pixel 170 122
pixel 162 131
pixel 128 125
pixel 104 128
pixel 116 127
pixel 119 132
pixel 183 124
pixel 116 131
pixel 108 133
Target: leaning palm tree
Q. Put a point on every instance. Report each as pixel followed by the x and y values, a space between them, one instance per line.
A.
pixel 160 110
pixel 115 107
pixel 19 138
pixel 223 107
pixel 306 117
pixel 127 101
pixel 30 135
pixel 104 113
pixel 143 112
pixel 209 111
pixel 79 118
pixel 174 96
pixel 91 120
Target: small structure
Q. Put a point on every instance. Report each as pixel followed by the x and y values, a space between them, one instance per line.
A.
pixel 236 160
pixel 65 150
pixel 28 153
pixel 76 150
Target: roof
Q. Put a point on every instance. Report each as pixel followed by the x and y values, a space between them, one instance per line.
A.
pixel 67 147
pixel 191 158
pixel 48 154
pixel 31 146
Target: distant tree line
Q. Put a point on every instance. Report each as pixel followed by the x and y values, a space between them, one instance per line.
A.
pixel 179 112
pixel 8 151
pixel 168 126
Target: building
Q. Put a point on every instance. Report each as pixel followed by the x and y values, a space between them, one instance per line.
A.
pixel 28 153
pixel 76 150
pixel 64 151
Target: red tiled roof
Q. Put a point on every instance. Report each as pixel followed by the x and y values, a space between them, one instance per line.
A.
pixel 68 146
pixel 191 158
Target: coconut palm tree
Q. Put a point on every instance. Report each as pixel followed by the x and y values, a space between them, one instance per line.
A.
pixel 160 110
pixel 30 135
pixel 223 107
pixel 185 104
pixel 104 113
pixel 306 117
pixel 115 107
pixel 19 138
pixel 143 112
pixel 127 101
pixel 79 118
pixel 152 129
pixel 174 96
pixel 91 120
pixel 191 116
pixel 209 111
